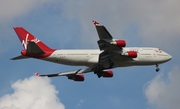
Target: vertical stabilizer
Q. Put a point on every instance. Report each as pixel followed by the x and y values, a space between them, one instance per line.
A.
pixel 25 37
pixel 33 47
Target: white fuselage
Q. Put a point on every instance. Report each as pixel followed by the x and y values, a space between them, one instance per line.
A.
pixel 146 56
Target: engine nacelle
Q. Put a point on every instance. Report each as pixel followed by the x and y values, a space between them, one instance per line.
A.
pixel 131 54
pixel 79 77
pixel 107 73
pixel 23 52
pixel 119 43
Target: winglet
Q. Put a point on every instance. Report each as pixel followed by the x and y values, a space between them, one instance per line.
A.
pixel 95 23
pixel 37 74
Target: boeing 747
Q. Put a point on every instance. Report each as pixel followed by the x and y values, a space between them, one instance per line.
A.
pixel 112 53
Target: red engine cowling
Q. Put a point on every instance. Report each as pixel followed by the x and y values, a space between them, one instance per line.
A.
pixel 79 77
pixel 119 43
pixel 23 52
pixel 107 73
pixel 131 54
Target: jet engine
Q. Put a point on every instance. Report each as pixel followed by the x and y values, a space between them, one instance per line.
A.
pixel 107 73
pixel 23 52
pixel 131 54
pixel 119 43
pixel 78 77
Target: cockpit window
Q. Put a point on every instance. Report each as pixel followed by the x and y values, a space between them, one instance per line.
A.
pixel 158 50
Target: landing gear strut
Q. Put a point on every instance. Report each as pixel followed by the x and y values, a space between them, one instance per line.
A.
pixel 99 70
pixel 157 68
pixel 99 74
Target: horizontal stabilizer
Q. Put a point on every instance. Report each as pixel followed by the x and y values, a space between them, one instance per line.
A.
pixel 33 48
pixel 20 57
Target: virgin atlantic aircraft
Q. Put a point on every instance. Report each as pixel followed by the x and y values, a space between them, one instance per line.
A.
pixel 112 53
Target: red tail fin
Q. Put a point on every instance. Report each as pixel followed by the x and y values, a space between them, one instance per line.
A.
pixel 25 37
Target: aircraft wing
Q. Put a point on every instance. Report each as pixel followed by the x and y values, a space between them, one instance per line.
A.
pixel 102 31
pixel 67 73
pixel 75 75
pixel 106 44
pixel 106 39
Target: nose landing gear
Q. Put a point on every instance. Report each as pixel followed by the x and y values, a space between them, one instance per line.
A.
pixel 157 68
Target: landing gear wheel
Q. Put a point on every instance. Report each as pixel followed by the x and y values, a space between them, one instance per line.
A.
pixel 99 76
pixel 157 69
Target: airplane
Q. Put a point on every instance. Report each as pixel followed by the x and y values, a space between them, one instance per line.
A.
pixel 112 53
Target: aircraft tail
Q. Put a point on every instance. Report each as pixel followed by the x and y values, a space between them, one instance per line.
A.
pixel 31 44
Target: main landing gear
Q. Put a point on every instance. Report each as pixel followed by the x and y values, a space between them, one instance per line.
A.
pixel 98 73
pixel 157 68
pixel 98 70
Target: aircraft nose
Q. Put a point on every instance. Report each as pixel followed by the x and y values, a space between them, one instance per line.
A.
pixel 169 57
